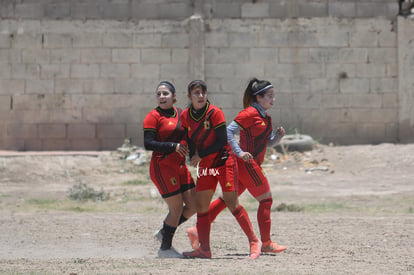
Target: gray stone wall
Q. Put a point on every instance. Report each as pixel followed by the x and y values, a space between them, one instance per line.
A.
pixel 182 9
pixel 87 84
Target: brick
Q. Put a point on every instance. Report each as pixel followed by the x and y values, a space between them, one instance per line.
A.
pixel 95 56
pixel 86 131
pixel 18 130
pixel 110 130
pixel 52 131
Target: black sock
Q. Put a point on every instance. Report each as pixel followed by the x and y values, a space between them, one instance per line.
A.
pixel 182 219
pixel 167 236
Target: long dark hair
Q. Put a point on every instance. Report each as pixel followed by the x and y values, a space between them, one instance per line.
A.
pixel 254 88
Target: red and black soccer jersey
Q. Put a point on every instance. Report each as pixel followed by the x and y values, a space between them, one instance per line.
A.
pixel 201 133
pixel 255 132
pixel 168 131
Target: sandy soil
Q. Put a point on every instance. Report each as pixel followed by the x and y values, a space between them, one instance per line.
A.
pixel 354 216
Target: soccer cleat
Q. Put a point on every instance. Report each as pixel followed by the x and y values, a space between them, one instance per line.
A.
pixel 158 235
pixel 255 249
pixel 198 253
pixel 169 253
pixel 271 247
pixel 193 236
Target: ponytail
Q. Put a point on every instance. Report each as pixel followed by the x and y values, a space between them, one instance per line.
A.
pixel 254 88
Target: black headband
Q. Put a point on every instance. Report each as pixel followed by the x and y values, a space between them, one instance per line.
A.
pixel 195 83
pixel 168 84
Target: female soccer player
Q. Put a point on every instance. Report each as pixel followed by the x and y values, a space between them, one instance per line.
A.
pixel 164 135
pixel 215 162
pixel 255 128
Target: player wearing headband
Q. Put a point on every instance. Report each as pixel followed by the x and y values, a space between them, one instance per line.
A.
pixel 215 162
pixel 164 135
pixel 255 128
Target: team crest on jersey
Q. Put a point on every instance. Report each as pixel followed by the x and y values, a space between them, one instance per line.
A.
pixel 170 123
pixel 173 181
pixel 263 123
pixel 207 124
pixel 228 184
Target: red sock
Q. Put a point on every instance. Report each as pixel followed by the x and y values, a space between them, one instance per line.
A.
pixel 243 219
pixel 263 218
pixel 215 208
pixel 203 229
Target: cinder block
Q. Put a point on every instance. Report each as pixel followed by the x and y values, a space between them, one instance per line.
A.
pixel 384 85
pixel 175 40
pixel 293 55
pixel 57 40
pixel 54 71
pixel 216 39
pixel 226 55
pixel 293 70
pixel 11 87
pixel 170 71
pixel 115 70
pixel 117 40
pixel 68 86
pixel 255 10
pixel 110 130
pixel 363 38
pixel 84 144
pixel 354 85
pixel 56 10
pixel 219 70
pixel 111 143
pixel 273 39
pixel 294 85
pixel 145 70
pixel 84 71
pixel 126 56
pixel 36 86
pixel 366 101
pixel 243 39
pixel 313 8
pixel 371 70
pixel 99 86
pixel 28 11
pixel 18 130
pixel 52 130
pixel 10 56
pixel 249 70
pixel 27 41
pixel 32 144
pixel 302 39
pixel 86 131
pixel 87 40
pixel 383 55
pixel 85 101
pixel 101 55
pixel 340 71
pixel 263 55
pixel 156 56
pixel 353 55
pixel 5 71
pixel 324 86
pixel 128 86
pixel 5 40
pixel 341 8
pixel 147 40
pixel 12 144
pixel 324 55
pixel 25 71
pixel 133 130
pixel 333 38
pixel 69 56
pixel 116 11
pixel 279 9
pixel 87 10
pixel 174 11
pixel 180 56
pixel 5 102
pixel 222 9
pixel 370 9
pixel 50 144
pixel 330 101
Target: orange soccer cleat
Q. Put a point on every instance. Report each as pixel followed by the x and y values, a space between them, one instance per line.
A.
pixel 193 236
pixel 255 249
pixel 272 247
pixel 198 253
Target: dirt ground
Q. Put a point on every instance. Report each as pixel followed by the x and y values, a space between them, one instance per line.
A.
pixel 348 210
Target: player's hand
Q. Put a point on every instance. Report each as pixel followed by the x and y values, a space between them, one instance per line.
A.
pixel 181 150
pixel 280 131
pixel 246 156
pixel 195 160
